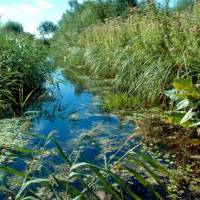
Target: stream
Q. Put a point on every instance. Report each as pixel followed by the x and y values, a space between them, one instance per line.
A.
pixel 70 113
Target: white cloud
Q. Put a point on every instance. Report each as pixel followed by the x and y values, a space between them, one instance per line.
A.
pixel 43 4
pixel 26 7
pixel 29 12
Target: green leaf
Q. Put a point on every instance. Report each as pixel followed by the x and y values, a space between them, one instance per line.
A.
pixel 184 85
pixel 172 94
pixel 62 153
pixel 141 179
pixel 154 163
pixel 148 171
pixel 194 124
pixel 175 116
pixel 78 165
pixel 29 198
pixel 187 116
pixel 104 182
pixel 123 185
pixel 137 176
pixel 183 104
pixel 12 171
pixel 28 183
pixel 29 151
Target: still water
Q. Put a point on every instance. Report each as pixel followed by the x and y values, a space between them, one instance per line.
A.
pixel 69 113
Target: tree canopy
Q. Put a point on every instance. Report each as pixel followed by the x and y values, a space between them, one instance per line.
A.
pixel 183 4
pixel 13 26
pixel 46 28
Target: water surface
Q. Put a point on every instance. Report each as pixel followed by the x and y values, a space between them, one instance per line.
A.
pixel 70 113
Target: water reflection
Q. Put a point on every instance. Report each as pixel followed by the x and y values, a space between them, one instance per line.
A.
pixel 72 114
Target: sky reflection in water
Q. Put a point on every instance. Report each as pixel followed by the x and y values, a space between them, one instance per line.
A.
pixel 70 113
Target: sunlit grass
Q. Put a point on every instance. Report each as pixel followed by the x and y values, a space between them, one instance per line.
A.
pixel 22 69
pixel 142 54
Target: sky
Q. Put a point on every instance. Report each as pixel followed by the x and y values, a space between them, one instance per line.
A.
pixel 32 12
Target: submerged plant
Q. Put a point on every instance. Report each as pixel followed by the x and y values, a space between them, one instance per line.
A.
pixel 78 179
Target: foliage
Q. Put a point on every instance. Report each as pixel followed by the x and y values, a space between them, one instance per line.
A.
pixel 12 135
pixel 77 179
pixel 74 5
pixel 81 16
pixel 13 27
pixel 184 4
pixel 46 28
pixel 141 54
pixel 22 69
pixel 187 98
pixel 121 101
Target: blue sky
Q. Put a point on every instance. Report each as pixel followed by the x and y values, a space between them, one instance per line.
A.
pixel 32 12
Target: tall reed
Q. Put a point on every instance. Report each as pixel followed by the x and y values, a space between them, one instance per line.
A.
pixel 21 68
pixel 142 53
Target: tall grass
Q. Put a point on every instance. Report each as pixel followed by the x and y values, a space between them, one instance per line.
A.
pixel 22 68
pixel 78 179
pixel 142 53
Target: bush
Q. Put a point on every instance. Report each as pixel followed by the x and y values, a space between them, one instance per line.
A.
pixel 21 68
pixel 13 27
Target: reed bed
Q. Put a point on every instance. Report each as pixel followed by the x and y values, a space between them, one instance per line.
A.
pixel 142 54
pixel 22 69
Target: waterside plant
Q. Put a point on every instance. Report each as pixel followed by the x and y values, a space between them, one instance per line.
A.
pixel 142 54
pixel 22 69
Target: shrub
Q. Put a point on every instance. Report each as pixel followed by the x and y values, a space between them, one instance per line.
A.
pixel 22 68
pixel 13 27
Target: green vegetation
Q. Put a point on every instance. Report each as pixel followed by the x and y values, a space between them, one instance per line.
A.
pixel 143 52
pixel 82 180
pixel 46 28
pixel 22 69
pixel 12 26
pixel 121 101
pixel 12 136
pixel 184 4
pixel 187 97
pixel 144 56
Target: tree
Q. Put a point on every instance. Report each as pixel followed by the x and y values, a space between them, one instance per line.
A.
pixel 183 4
pixel 13 26
pixel 122 7
pixel 46 28
pixel 74 5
